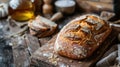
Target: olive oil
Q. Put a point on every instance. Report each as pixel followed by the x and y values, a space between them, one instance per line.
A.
pixel 23 11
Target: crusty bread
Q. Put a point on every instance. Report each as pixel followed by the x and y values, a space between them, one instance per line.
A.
pixel 82 36
pixel 42 27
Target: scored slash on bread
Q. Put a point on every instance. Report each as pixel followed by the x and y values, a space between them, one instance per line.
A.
pixel 82 36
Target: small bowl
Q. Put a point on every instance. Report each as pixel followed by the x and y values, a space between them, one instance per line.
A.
pixel 65 6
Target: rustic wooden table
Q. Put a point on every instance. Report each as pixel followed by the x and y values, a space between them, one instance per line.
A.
pixel 19 50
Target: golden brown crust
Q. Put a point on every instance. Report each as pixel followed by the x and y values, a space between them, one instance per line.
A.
pixel 82 36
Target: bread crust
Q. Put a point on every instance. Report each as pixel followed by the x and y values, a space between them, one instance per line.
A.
pixel 82 36
pixel 42 27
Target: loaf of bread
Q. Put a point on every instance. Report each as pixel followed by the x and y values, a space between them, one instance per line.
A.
pixel 42 27
pixel 82 36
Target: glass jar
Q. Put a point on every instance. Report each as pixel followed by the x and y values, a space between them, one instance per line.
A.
pixel 21 10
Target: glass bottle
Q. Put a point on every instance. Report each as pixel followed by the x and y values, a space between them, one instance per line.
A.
pixel 21 10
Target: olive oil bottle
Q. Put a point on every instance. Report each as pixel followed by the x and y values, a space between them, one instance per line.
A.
pixel 21 10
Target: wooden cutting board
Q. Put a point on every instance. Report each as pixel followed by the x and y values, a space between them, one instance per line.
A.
pixel 46 57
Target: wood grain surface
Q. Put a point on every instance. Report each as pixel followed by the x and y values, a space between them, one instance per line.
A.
pixel 46 55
